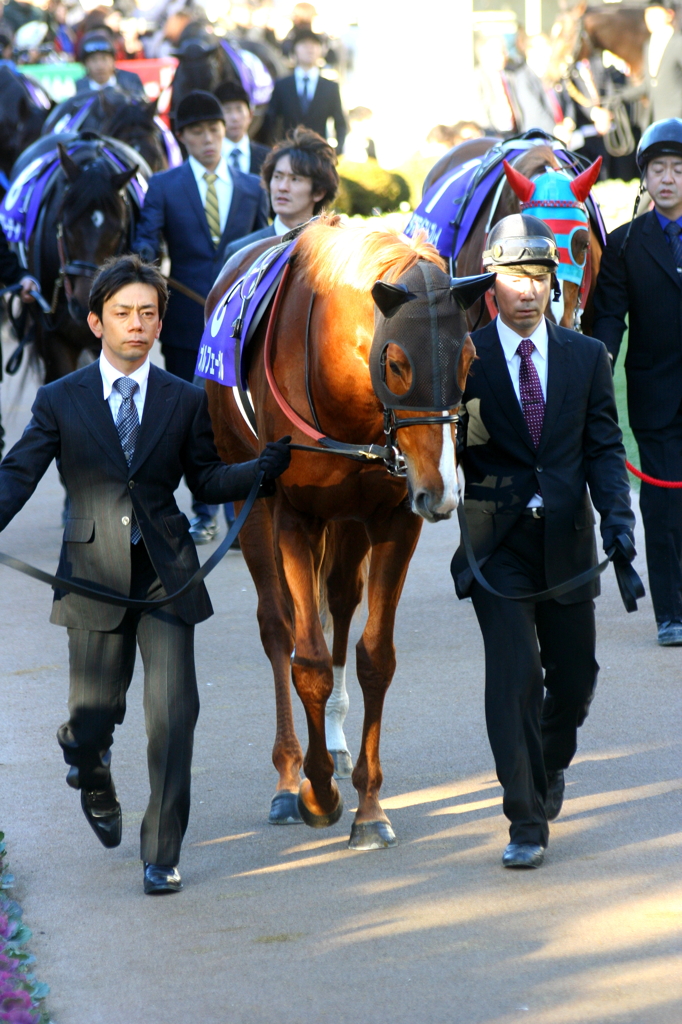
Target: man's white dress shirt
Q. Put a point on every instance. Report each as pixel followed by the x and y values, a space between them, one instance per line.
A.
pixel 243 148
pixel 223 186
pixel 110 375
pixel 110 84
pixel 313 76
pixel 279 227
pixel 510 342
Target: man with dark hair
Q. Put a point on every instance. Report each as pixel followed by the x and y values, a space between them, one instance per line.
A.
pixel 123 432
pixel 301 179
pixel 198 208
pixel 241 153
pixel 539 426
pixel 97 53
pixel 306 98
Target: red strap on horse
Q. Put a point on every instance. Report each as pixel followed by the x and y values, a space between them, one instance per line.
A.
pixel 296 420
pixel 670 484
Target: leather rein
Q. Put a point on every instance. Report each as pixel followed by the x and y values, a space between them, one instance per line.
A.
pixel 389 454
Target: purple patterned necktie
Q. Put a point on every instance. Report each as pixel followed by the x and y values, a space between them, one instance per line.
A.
pixel 532 398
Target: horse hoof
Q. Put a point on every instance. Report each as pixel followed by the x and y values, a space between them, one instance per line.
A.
pixel 319 820
pixel 284 809
pixel 343 764
pixel 371 835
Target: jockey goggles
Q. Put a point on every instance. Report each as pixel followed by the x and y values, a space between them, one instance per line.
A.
pixel 520 251
pixel 92 46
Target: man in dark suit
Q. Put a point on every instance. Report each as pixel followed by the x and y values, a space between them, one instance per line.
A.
pixel 539 427
pixel 198 208
pixel 123 432
pixel 641 278
pixel 300 177
pixel 98 54
pixel 305 97
pixel 241 152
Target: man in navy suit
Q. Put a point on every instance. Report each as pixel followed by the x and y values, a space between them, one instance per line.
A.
pixel 98 54
pixel 241 152
pixel 305 97
pixel 198 208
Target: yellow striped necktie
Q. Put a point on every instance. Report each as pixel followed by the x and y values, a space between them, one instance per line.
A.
pixel 211 207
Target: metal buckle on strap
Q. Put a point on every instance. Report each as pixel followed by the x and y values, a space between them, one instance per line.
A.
pixel 537 512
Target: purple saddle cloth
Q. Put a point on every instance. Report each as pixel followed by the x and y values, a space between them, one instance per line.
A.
pixel 237 315
pixel 448 211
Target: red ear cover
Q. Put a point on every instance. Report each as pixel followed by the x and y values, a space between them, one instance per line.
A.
pixel 580 186
pixel 522 186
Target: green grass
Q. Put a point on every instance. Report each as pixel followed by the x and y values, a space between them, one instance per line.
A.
pixel 621 401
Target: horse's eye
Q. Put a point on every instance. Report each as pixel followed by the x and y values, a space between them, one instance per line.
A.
pixel 397 369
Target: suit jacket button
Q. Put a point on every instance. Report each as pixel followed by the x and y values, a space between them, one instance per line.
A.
pixel 131 484
pixel 125 520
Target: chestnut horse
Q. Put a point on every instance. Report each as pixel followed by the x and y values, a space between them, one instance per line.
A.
pixel 333 520
pixel 531 164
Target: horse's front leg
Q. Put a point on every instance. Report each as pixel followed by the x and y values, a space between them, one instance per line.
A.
pixel 393 543
pixel 301 543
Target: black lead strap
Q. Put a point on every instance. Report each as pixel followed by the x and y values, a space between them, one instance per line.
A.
pixel 95 594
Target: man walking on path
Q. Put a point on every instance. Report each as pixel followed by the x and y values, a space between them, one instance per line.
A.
pixel 306 97
pixel 641 278
pixel 197 208
pixel 539 427
pixel 123 432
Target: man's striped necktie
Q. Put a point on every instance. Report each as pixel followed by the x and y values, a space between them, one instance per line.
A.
pixel 128 426
pixel 211 207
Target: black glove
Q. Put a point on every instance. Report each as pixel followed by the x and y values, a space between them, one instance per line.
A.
pixel 621 551
pixel 275 458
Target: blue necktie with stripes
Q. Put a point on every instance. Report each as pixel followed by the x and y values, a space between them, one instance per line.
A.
pixel 128 426
pixel 672 230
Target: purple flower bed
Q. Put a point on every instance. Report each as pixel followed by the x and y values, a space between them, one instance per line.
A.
pixel 21 996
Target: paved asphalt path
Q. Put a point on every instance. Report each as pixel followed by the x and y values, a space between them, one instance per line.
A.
pixel 285 925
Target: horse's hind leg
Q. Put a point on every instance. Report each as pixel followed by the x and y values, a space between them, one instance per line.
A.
pixel 301 543
pixel 393 543
pixel 349 545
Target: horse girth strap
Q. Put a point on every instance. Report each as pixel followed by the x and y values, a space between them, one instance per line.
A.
pixel 95 594
pixel 542 595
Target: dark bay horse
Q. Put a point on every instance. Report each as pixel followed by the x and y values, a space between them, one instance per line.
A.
pixel 619 28
pixel 530 165
pixel 118 115
pixel 87 215
pixel 333 522
pixel 21 121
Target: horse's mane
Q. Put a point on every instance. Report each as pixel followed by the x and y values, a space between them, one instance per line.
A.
pixel 93 188
pixel 333 256
pixel 535 160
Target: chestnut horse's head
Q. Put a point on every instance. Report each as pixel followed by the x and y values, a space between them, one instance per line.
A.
pixel 420 357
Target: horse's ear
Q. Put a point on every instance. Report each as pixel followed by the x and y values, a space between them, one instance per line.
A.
pixel 69 166
pixel 121 179
pixel 390 297
pixel 522 186
pixel 150 108
pixel 580 186
pixel 467 289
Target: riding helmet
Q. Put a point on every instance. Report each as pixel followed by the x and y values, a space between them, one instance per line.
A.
pixel 198 106
pixel 662 138
pixel 96 42
pixel 521 241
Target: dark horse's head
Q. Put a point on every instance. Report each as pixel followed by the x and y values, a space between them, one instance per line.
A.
pixel 93 222
pixel 132 121
pixel 203 64
pixel 20 118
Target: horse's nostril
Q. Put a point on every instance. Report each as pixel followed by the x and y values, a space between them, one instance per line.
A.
pixel 421 502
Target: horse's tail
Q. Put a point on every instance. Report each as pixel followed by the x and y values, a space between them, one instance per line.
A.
pixel 331 564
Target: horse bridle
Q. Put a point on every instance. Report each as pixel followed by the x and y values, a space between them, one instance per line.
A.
pixel 389 454
pixel 69 268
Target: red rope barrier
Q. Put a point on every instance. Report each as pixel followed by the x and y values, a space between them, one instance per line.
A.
pixel 652 479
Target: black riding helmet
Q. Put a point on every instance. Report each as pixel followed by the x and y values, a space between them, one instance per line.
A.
pixel 662 138
pixel 96 42
pixel 521 241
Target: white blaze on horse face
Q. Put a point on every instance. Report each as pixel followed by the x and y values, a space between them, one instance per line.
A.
pixel 336 711
pixel 448 472
pixel 97 218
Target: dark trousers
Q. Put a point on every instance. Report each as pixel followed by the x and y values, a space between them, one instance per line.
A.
pixel 529 646
pixel 660 453
pixel 101 668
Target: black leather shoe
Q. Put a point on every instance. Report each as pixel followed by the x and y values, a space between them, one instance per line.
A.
pixel 204 529
pixel 161 878
pixel 670 633
pixel 103 811
pixel 523 855
pixel 556 784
